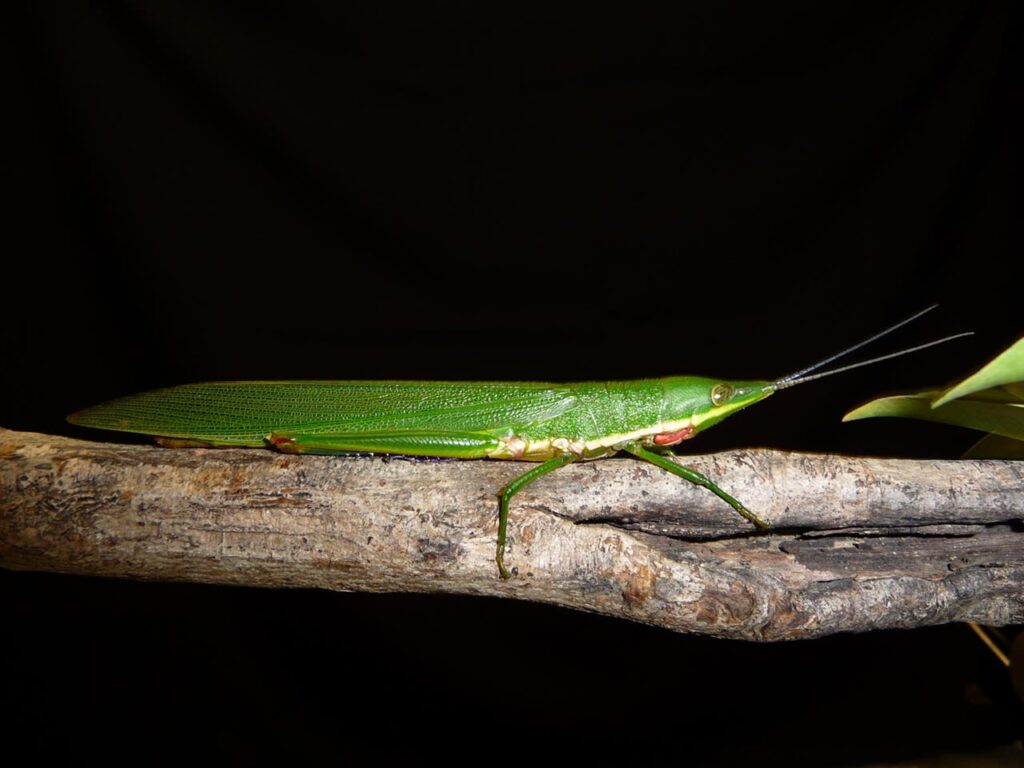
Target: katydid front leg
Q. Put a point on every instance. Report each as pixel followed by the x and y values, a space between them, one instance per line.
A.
pixel 694 477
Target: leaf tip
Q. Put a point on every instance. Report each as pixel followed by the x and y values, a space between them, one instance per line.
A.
pixel 853 415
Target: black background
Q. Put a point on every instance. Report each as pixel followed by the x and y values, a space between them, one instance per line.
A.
pixel 498 191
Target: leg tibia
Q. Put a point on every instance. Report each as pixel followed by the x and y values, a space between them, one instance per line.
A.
pixel 694 477
pixel 510 490
pixel 456 445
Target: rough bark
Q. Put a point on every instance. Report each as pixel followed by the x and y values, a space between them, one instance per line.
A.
pixel 856 544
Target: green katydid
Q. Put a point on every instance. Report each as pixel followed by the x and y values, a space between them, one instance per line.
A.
pixel 554 424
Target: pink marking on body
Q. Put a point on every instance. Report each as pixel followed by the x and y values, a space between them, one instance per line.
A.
pixel 672 438
pixel 516 447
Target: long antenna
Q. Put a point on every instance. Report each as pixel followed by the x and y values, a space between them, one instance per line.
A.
pixel 855 347
pixel 802 376
pixel 789 381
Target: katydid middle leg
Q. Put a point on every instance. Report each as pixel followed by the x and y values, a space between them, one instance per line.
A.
pixel 510 490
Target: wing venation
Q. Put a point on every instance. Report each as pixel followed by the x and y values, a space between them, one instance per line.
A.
pixel 246 412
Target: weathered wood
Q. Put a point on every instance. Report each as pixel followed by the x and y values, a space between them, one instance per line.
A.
pixel 857 543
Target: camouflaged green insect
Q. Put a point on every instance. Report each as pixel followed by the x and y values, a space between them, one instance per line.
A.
pixel 554 424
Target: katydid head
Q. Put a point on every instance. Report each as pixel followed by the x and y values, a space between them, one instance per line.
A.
pixel 692 403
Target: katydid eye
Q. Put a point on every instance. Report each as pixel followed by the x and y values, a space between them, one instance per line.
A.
pixel 722 393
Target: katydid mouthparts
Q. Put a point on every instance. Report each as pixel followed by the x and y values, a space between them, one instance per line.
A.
pixel 554 424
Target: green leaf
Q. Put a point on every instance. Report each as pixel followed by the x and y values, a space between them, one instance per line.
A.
pixel 1007 368
pixel 1006 419
pixel 996 447
pixel 1016 389
pixel 995 395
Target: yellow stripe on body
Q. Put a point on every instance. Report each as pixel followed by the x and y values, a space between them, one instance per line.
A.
pixel 516 447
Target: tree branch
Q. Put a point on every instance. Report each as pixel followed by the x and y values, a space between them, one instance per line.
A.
pixel 856 543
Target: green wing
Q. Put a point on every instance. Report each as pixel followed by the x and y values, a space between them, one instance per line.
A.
pixel 244 413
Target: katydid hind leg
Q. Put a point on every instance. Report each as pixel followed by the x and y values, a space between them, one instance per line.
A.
pixel 455 445
pixel 694 477
pixel 505 496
